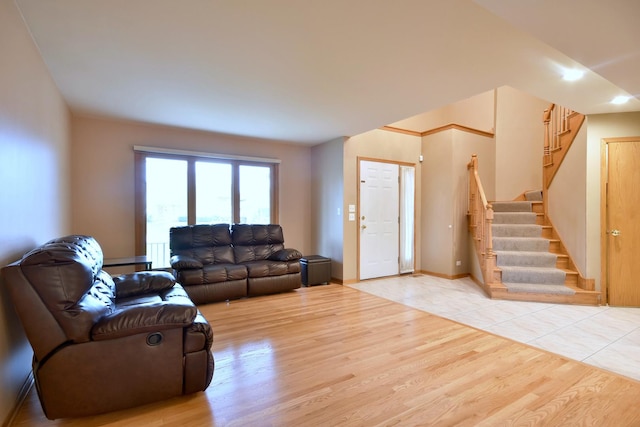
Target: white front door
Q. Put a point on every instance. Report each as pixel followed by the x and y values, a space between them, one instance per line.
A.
pixel 379 219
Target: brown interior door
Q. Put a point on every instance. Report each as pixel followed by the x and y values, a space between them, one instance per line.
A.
pixel 623 223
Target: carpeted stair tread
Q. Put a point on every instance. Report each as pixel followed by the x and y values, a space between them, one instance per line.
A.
pixel 529 244
pixel 534 196
pixel 541 275
pixel 517 206
pixel 514 217
pixel 516 230
pixel 526 259
pixel 522 254
pixel 539 289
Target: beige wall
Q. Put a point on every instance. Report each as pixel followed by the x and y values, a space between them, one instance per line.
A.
pixel 445 237
pixel 567 201
pixel 436 204
pixel 327 194
pixel 381 145
pixel 519 142
pixel 601 126
pixel 103 177
pixel 34 195
pixel 476 112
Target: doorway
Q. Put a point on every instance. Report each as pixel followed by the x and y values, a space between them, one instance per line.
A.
pixel 621 209
pixel 385 218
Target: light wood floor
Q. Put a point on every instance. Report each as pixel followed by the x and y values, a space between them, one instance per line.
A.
pixel 332 355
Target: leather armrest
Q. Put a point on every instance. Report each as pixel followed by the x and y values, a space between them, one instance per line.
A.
pixel 286 254
pixel 182 262
pixel 143 282
pixel 141 318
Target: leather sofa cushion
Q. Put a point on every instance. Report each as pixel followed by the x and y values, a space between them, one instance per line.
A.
pixel 260 234
pixel 206 244
pixel 198 336
pixel 199 236
pixel 182 262
pixel 147 313
pixel 213 273
pixel 256 242
pixel 267 268
pixel 143 282
pixel 286 254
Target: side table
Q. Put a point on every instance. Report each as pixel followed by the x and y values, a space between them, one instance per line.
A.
pixel 315 270
pixel 128 261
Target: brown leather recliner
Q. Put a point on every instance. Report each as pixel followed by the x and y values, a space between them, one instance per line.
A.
pixel 101 343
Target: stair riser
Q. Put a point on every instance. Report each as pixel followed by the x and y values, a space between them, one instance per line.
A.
pixel 527 261
pixel 505 218
pixel 537 207
pixel 533 195
pixel 533 277
pixel 533 245
pixel 512 230
pixel 571 278
pixel 511 206
pixel 554 247
pixel 514 218
pixel 581 298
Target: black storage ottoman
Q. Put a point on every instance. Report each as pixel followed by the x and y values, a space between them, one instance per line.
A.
pixel 316 269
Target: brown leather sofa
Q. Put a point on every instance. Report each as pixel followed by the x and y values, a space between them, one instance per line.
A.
pixel 101 343
pixel 216 262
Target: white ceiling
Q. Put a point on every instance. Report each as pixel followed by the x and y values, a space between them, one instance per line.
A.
pixel 314 70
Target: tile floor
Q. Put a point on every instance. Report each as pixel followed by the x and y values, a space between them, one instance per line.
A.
pixel 606 337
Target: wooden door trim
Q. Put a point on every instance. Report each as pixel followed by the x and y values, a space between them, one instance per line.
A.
pixel 604 252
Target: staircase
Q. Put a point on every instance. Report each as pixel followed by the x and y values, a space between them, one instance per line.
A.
pixel 521 256
pixel 530 263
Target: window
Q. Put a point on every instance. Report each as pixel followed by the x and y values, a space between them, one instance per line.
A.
pixel 166 203
pixel 255 194
pixel 214 198
pixel 176 190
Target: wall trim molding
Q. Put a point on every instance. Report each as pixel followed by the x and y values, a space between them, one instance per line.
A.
pixel 176 152
pixel 440 129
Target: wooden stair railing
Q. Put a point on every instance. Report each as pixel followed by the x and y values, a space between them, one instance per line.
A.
pixel 480 218
pixel 561 125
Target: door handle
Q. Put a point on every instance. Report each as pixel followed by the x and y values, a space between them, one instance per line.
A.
pixel 615 233
pixel 363 226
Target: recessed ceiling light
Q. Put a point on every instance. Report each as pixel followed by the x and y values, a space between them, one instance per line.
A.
pixel 572 75
pixel 621 99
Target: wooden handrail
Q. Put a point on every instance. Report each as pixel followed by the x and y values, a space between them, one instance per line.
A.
pixel 561 125
pixel 473 165
pixel 480 218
